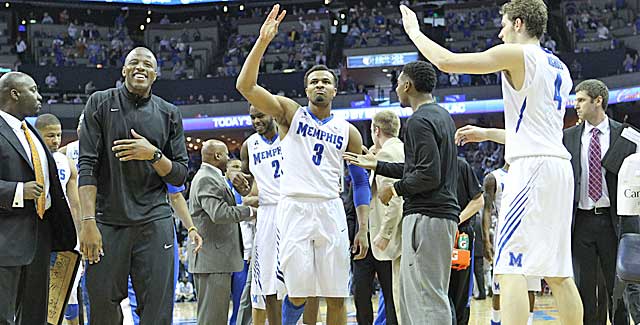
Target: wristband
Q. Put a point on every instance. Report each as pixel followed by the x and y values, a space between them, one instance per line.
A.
pixel 192 228
pixel 88 218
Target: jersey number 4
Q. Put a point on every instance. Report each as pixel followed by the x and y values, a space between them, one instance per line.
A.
pixel 556 94
pixel 317 158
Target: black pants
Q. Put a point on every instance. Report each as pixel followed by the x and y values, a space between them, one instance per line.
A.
pixel 478 274
pixel 364 271
pixel 24 290
pixel 146 253
pixel 594 239
pixel 459 283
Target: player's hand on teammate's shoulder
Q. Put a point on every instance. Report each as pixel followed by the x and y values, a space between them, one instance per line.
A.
pixel 470 133
pixel 269 28
pixel 138 148
pixel 367 161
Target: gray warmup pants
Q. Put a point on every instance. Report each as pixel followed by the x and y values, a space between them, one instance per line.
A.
pixel 425 267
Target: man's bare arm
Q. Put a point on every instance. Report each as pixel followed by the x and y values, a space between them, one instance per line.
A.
pixel 279 107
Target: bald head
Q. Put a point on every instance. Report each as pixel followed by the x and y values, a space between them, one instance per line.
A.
pixel 215 152
pixel 12 80
pixel 141 51
pixel 19 95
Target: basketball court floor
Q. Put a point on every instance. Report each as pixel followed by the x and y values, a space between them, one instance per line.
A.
pixel 545 312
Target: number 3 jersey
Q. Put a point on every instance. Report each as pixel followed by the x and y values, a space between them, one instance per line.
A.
pixel 534 115
pixel 312 156
pixel 265 164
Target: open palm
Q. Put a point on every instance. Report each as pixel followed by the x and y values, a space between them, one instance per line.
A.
pixel 269 29
pixel 409 20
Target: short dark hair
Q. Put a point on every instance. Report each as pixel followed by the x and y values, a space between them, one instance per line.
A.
pixel 532 12
pixel 320 67
pixel 422 74
pixel 46 120
pixel 595 88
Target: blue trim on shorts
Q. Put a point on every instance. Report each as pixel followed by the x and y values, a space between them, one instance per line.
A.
pixel 72 312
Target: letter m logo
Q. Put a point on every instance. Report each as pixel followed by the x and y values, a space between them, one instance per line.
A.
pixel 515 260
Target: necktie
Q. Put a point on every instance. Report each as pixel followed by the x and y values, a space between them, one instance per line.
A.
pixel 37 167
pixel 595 170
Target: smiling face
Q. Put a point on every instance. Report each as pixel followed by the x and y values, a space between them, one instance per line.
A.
pixel 139 70
pixel 261 122
pixel 321 87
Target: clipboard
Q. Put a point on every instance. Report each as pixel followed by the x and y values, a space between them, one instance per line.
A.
pixel 62 272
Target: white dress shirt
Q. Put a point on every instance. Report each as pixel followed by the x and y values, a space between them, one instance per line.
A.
pixel 16 126
pixel 586 203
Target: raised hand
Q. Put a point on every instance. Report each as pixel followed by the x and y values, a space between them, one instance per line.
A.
pixel 269 28
pixel 409 20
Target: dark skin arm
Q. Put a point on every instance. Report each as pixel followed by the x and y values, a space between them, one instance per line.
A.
pixel 489 196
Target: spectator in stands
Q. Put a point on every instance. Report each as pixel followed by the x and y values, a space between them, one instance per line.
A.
pixel 576 69
pixel 165 20
pixel 603 31
pixel 51 80
pixel 119 82
pixel 63 17
pixel 636 25
pixel 628 63
pixel 185 291
pixel 121 19
pixel 178 70
pixel 77 100
pixel 46 19
pixel 72 30
pixel 550 44
pixel 89 88
pixel 21 48
pixel 454 79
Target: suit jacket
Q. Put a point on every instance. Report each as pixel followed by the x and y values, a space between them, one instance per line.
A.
pixel 619 149
pixel 19 226
pixel 386 220
pixel 215 214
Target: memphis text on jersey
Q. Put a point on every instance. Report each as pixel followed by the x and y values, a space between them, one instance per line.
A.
pixel 271 153
pixel 306 130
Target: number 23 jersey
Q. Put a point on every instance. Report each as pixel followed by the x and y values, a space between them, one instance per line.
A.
pixel 312 156
pixel 534 115
pixel 265 164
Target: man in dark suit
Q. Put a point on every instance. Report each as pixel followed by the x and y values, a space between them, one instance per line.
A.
pixel 214 212
pixel 596 226
pixel 34 215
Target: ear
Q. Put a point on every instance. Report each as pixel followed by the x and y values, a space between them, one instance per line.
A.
pixel 517 23
pixel 599 101
pixel 408 84
pixel 124 72
pixel 15 94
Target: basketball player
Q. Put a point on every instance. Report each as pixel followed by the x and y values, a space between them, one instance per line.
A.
pixel 313 254
pixel 72 149
pixel 493 188
pixel 261 157
pixel 534 238
pixel 51 130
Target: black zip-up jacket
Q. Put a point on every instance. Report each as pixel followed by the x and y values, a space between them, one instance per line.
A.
pixel 130 192
pixel 429 175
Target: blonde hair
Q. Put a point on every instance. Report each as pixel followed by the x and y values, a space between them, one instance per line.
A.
pixel 388 122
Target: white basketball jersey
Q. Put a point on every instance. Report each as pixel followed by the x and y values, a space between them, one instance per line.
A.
pixel 534 115
pixel 73 151
pixel 312 156
pixel 265 164
pixel 64 170
pixel 501 176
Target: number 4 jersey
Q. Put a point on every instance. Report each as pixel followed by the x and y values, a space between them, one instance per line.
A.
pixel 265 164
pixel 534 115
pixel 312 156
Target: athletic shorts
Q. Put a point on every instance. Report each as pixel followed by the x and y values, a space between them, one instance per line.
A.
pixel 533 284
pixel 534 227
pixel 264 256
pixel 313 248
pixel 72 312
